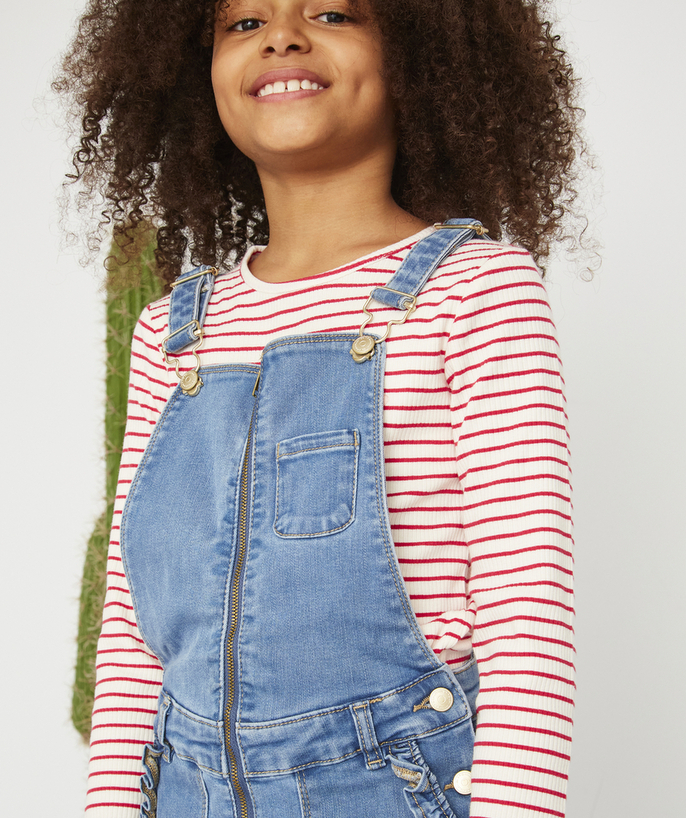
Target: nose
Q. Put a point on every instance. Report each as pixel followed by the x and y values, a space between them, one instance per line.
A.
pixel 283 34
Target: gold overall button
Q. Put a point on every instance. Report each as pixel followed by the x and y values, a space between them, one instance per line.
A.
pixel 363 348
pixel 189 380
pixel 441 699
pixel 462 782
pixel 363 345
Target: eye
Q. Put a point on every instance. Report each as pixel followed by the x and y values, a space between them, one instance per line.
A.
pixel 247 24
pixel 334 17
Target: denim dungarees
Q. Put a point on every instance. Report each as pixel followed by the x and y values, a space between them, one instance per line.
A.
pixel 257 546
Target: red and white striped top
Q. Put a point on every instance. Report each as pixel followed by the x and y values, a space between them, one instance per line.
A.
pixel 477 467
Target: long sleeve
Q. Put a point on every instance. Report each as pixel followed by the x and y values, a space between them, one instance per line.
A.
pixel 128 675
pixel 510 432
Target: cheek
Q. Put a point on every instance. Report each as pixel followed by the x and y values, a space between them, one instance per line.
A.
pixel 219 82
pixel 226 93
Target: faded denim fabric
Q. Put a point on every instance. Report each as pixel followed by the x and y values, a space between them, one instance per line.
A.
pixel 257 545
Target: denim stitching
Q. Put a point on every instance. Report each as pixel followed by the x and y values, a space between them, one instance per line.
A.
pixel 304 795
pixel 305 765
pixel 426 678
pixel 290 721
pixel 421 762
pixel 388 743
pixel 378 759
pixel 176 394
pixel 372 732
pixel 203 790
pixel 191 716
pixel 125 511
pixel 355 446
pixel 316 448
pixel 240 746
pixel 414 797
pixel 307 796
pixel 318 340
pixel 196 762
pixel 382 513
pixel 247 558
pixel 251 440
pixel 441 807
pixel 252 795
pixel 425 732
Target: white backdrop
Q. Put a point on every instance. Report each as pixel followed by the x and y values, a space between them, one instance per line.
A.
pixel 622 339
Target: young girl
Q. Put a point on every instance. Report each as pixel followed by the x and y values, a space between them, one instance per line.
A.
pixel 344 501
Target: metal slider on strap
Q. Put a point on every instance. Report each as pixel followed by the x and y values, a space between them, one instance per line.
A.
pixel 364 345
pixel 193 302
pixel 208 271
pixel 190 381
pixel 477 227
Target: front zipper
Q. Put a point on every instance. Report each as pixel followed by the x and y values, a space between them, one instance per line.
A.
pixel 231 643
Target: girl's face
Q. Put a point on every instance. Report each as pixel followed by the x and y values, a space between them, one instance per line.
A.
pixel 298 84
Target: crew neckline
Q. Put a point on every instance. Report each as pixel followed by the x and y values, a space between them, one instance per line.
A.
pixel 328 275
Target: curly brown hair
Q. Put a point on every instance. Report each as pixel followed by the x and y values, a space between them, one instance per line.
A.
pixel 486 119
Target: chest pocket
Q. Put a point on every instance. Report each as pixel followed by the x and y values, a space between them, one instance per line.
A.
pixel 316 483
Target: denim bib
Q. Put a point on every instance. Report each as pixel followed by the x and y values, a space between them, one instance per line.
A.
pixel 258 550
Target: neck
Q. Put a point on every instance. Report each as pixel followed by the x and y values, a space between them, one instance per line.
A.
pixel 322 220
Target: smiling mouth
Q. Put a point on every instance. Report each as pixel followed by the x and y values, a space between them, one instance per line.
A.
pixel 288 86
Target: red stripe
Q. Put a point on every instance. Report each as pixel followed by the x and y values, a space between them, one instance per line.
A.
pixel 120 695
pixel 112 789
pixel 537 601
pixel 519 551
pixel 538 712
pixel 523 747
pixel 512 804
pixel 124 710
pixel 140 742
pixel 532 566
pixel 526 692
pixel 129 679
pixel 517 785
pixel 525 728
pixel 539 674
pixel 524 618
pixel 122 773
pixel 523 655
pixel 529 636
pixel 484 762
pixel 516 461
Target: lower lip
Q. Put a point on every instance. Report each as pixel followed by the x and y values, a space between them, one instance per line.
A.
pixel 290 95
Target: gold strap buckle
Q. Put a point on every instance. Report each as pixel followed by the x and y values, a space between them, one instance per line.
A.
pixel 190 381
pixel 364 345
pixel 209 271
pixel 477 227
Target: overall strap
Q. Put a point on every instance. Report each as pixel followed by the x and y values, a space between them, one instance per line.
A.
pixel 190 296
pixel 422 261
pixel 419 265
pixel 187 309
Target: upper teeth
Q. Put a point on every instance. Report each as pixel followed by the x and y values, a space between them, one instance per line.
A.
pixel 290 85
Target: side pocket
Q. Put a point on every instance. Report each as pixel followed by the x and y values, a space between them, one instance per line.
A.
pixel 316 483
pixel 422 790
pixel 173 789
pixel 437 767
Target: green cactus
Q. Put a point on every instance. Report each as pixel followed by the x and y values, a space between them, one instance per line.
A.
pixel 131 284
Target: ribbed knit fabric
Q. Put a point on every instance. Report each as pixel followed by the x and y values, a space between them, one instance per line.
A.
pixel 478 492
